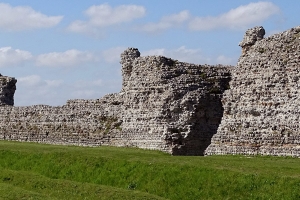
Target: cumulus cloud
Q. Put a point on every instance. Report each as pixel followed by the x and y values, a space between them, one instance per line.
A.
pixel 36 80
pixel 33 87
pixel 167 22
pixel 13 57
pixel 68 58
pixel 86 89
pixel 184 54
pixel 238 18
pixel 54 83
pixel 32 80
pixel 24 18
pixel 104 15
pixel 33 90
pixel 112 55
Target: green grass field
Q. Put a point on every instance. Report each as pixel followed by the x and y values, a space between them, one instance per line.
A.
pixel 39 171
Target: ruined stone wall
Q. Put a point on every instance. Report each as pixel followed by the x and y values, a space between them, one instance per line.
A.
pixel 170 105
pixel 79 122
pixel 181 108
pixel 261 109
pixel 164 104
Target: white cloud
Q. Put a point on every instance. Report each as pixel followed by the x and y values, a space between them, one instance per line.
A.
pixel 86 89
pixel 184 54
pixel 33 90
pixel 30 81
pixel 24 18
pixel 167 22
pixel 36 81
pixel 238 18
pixel 13 57
pixel 152 52
pixel 104 15
pixel 112 55
pixel 68 58
pixel 54 83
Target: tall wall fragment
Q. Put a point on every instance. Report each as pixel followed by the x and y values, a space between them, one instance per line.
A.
pixel 261 109
pixel 170 105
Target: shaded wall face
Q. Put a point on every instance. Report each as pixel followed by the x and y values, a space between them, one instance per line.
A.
pixel 7 90
pixel 201 116
pixel 205 123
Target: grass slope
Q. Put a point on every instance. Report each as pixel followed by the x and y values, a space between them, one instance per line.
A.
pixel 37 171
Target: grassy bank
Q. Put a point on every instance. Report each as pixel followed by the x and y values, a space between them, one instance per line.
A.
pixel 39 171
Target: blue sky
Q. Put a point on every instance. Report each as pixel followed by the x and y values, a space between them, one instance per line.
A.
pixel 60 50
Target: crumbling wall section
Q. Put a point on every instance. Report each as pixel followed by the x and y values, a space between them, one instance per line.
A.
pixel 261 109
pixel 170 105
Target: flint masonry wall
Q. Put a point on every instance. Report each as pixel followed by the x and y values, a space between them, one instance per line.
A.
pixel 79 122
pixel 164 104
pixel 180 108
pixel 170 105
pixel 261 109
